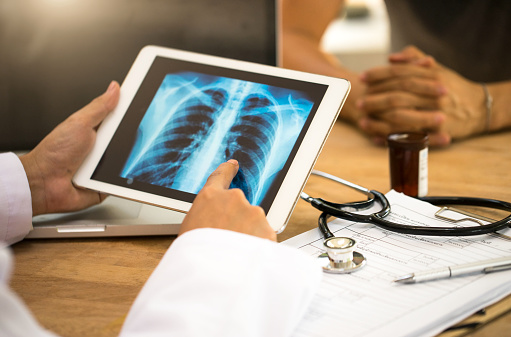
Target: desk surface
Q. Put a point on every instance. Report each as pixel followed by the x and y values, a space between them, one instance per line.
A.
pixel 84 287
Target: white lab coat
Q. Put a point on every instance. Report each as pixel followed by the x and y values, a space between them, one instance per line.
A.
pixel 210 282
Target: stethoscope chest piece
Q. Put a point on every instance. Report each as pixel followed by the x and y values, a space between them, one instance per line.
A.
pixel 342 256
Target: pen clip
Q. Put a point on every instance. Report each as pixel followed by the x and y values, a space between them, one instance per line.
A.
pixel 497 268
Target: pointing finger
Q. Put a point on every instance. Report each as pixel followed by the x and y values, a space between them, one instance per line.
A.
pixel 223 175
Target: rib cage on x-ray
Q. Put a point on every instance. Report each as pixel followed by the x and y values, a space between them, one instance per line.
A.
pixel 207 126
pixel 250 141
pixel 179 139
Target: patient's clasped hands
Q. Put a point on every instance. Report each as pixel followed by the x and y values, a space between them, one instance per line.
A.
pixel 415 93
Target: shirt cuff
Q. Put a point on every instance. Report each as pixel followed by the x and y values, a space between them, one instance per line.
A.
pixel 15 199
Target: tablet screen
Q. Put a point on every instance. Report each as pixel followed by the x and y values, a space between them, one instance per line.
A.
pixel 187 118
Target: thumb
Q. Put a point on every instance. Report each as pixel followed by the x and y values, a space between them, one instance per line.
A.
pixel 96 111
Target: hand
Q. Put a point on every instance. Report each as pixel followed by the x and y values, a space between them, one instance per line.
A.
pixel 51 165
pixel 217 206
pixel 416 93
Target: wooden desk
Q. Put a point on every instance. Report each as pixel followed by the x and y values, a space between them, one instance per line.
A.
pixel 84 287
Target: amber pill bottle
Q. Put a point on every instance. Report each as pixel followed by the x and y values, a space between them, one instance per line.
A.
pixel 408 157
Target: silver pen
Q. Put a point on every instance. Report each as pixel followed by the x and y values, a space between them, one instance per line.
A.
pixel 486 266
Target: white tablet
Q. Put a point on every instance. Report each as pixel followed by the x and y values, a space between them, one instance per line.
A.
pixel 181 114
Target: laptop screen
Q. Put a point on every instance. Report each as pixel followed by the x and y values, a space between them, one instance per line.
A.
pixel 58 55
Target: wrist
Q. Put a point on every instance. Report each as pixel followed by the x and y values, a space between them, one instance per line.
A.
pixel 352 110
pixel 500 117
pixel 35 182
pixel 488 105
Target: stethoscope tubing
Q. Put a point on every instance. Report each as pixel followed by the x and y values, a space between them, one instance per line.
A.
pixel 378 218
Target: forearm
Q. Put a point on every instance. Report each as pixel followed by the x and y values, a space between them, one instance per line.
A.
pixel 500 117
pixel 309 58
pixel 301 42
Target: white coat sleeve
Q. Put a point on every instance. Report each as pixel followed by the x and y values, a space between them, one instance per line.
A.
pixel 15 318
pixel 15 200
pixel 214 282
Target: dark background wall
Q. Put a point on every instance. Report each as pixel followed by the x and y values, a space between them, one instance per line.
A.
pixel 57 55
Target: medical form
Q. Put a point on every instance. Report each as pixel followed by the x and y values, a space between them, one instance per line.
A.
pixel 368 303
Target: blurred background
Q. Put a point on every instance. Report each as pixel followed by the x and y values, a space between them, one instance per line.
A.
pixel 360 37
pixel 57 55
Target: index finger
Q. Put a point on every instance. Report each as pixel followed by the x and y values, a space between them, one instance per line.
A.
pixel 223 175
pixel 384 73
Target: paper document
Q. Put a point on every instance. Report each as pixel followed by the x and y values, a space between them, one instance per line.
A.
pixel 368 302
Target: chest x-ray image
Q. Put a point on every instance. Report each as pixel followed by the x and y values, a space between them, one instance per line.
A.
pixel 197 121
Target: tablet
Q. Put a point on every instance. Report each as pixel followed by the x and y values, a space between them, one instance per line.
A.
pixel 182 114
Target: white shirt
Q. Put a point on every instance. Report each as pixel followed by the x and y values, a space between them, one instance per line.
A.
pixel 15 200
pixel 210 282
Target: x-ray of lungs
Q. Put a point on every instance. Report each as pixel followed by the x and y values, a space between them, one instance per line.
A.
pixel 197 121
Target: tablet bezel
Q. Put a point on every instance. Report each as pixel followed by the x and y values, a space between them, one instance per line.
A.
pixel 299 170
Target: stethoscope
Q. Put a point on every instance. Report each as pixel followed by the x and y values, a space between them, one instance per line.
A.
pixel 341 253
